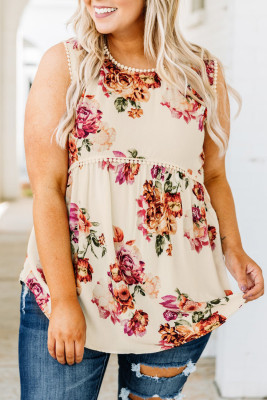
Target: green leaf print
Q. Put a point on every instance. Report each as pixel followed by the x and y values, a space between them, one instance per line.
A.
pixel 92 250
pixel 95 241
pixel 182 322
pixel 91 240
pixel 72 248
pixel 197 316
pixel 85 212
pixel 95 224
pixel 168 186
pixel 138 289
pixel 134 154
pixel 158 185
pixel 215 301
pixel 159 244
pixel 85 143
pixel 167 236
pixel 133 103
pixel 181 174
pixel 121 104
pixel 169 177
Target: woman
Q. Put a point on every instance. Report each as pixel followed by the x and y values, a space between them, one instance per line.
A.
pixel 131 257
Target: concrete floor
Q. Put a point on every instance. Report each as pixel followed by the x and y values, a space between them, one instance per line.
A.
pixel 15 225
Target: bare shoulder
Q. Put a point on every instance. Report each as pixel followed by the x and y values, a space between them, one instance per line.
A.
pixel 46 104
pixel 53 67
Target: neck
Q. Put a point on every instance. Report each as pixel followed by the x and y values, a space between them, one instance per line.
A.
pixel 128 51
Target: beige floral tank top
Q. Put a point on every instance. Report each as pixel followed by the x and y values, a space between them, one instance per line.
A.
pixel 145 239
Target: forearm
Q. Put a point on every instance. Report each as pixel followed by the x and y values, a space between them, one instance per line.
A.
pixel 53 241
pixel 223 202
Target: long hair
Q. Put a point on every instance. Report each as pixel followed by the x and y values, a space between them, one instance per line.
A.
pixel 165 47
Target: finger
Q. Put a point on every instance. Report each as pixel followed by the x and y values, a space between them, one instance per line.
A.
pixel 250 282
pixel 79 351
pixel 69 351
pixel 242 280
pixel 249 298
pixel 256 288
pixel 60 351
pixel 51 345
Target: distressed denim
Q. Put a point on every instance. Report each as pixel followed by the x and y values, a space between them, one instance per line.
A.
pixel 44 378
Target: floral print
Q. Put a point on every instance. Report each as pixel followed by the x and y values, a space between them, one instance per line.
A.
pixel 41 296
pixel 74 43
pixel 89 131
pixel 83 237
pixel 181 106
pixel 161 206
pixel 210 68
pixel 130 89
pixel 192 319
pixel 186 107
pixel 140 218
pixel 201 234
pixel 126 280
pixel 125 171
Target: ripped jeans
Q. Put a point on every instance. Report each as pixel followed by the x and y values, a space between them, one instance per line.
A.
pixel 44 378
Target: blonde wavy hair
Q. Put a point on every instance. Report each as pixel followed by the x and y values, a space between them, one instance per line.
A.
pixel 164 46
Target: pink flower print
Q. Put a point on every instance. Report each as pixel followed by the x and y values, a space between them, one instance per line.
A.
pixel 127 172
pixel 170 302
pixel 130 264
pixel 189 305
pixel 196 214
pixel 74 221
pixel 196 229
pixel 41 272
pixel 170 315
pixel 105 301
pixel 137 324
pixel 157 172
pixel 198 191
pixel 75 44
pixel 212 236
pixel 42 298
pixel 180 105
pixel 88 118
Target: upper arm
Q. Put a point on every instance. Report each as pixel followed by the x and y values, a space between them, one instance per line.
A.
pixel 214 165
pixel 47 162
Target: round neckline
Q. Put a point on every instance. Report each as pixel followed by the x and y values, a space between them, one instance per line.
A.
pixel 108 62
pixel 124 68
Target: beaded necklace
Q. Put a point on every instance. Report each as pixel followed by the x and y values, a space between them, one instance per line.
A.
pixel 106 50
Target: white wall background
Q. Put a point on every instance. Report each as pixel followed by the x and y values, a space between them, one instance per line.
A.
pixel 236 32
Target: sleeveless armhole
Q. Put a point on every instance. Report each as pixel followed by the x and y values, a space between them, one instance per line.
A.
pixel 215 74
pixel 68 54
pixel 73 52
pixel 212 72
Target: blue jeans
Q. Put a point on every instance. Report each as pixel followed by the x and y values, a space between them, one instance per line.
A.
pixel 42 377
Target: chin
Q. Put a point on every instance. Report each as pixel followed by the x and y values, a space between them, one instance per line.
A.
pixel 103 30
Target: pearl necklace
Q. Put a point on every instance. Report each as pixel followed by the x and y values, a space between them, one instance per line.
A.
pixel 106 50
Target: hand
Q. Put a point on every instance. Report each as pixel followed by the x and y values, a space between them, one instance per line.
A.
pixel 66 331
pixel 246 272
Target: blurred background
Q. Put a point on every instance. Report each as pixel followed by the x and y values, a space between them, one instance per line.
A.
pixel 233 364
